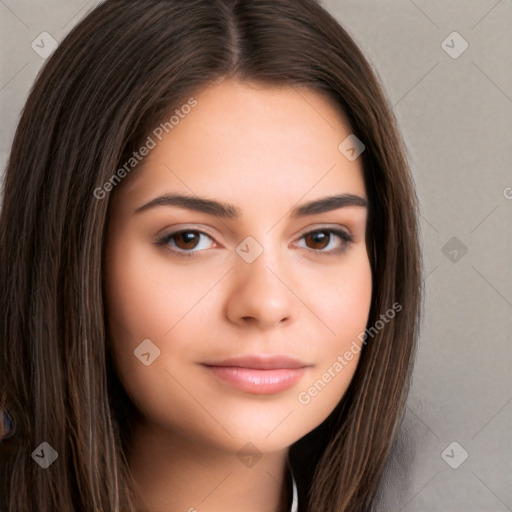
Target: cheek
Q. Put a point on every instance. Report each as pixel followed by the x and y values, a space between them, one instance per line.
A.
pixel 148 301
pixel 145 302
pixel 344 307
pixel 343 302
pixel 140 305
pixel 144 297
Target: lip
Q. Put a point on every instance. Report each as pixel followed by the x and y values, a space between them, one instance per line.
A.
pixel 260 362
pixel 259 374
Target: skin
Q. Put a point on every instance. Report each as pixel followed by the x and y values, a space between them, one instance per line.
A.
pixel 265 149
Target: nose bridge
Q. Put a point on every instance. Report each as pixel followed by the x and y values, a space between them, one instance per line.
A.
pixel 256 256
pixel 259 292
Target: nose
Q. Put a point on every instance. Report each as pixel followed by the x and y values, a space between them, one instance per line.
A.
pixel 260 295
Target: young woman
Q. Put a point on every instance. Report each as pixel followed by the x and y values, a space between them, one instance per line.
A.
pixel 210 268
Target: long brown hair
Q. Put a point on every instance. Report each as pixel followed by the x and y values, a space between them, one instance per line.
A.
pixel 114 78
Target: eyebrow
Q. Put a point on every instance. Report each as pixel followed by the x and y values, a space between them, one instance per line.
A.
pixel 229 211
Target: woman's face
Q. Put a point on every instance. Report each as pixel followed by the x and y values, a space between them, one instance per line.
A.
pixel 263 279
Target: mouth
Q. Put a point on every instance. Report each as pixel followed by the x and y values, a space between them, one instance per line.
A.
pixel 259 374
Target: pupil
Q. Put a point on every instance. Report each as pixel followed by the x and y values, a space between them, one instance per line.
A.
pixel 188 238
pixel 320 237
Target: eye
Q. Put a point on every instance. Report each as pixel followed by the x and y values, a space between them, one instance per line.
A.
pixel 187 242
pixel 184 242
pixel 319 239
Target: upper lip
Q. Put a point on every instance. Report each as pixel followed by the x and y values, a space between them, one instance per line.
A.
pixel 260 362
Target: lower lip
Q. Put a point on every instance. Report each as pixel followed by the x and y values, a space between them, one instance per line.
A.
pixel 262 382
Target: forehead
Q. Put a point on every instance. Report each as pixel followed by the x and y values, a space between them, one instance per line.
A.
pixel 247 141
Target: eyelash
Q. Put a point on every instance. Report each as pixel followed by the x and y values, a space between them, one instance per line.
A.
pixel 343 235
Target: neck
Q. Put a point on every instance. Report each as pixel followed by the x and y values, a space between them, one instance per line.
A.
pixel 173 473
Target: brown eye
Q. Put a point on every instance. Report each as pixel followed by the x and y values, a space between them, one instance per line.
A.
pixel 318 239
pixel 185 240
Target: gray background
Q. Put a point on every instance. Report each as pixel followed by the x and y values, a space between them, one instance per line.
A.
pixel 456 118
